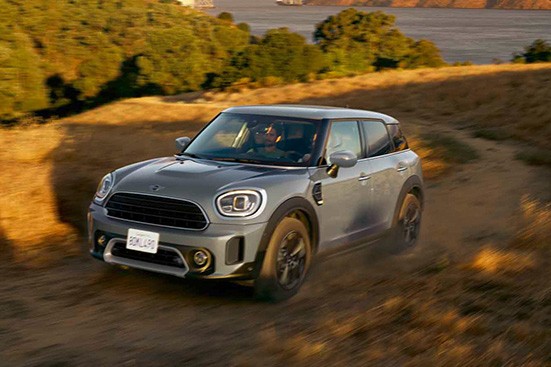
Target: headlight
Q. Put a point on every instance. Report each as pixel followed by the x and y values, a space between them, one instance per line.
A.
pixel 104 187
pixel 239 203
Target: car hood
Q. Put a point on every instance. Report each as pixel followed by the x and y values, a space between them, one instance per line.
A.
pixel 201 181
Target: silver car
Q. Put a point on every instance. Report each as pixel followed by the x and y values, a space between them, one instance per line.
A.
pixel 257 193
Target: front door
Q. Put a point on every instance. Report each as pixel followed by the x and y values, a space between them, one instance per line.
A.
pixel 345 198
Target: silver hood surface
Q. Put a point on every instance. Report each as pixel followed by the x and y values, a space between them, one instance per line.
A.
pixel 201 181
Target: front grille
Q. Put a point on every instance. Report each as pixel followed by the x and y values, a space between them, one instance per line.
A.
pixel 156 210
pixel 162 257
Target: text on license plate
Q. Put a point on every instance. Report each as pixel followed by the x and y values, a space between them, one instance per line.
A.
pixel 143 241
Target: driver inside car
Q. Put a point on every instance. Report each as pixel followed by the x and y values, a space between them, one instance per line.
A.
pixel 271 137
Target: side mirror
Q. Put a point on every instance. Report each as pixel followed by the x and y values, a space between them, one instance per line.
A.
pixel 342 158
pixel 182 143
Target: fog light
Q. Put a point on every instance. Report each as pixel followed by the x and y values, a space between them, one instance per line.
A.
pixel 200 258
pixel 102 240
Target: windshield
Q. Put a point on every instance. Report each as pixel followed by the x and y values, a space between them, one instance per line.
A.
pixel 259 139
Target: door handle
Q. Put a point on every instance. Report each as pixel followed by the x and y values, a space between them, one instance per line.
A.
pixel 364 178
pixel 401 167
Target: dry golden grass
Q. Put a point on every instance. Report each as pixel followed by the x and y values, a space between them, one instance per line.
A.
pixel 510 99
pixel 454 318
pixel 440 153
pixel 535 225
pixel 29 217
pixel 493 261
pixel 336 89
pixel 433 164
pixel 146 111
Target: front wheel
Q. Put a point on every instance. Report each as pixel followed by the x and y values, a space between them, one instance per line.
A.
pixel 286 263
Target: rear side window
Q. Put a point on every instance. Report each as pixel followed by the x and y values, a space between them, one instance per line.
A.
pixel 377 140
pixel 398 138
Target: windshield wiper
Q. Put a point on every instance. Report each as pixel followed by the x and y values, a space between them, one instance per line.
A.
pixel 191 155
pixel 232 159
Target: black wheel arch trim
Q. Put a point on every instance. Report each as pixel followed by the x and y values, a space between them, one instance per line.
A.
pixel 286 208
pixel 414 182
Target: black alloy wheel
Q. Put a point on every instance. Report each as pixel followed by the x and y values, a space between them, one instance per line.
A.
pixel 291 260
pixel 406 231
pixel 286 262
pixel 411 224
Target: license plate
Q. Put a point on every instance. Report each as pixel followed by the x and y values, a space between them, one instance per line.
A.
pixel 143 241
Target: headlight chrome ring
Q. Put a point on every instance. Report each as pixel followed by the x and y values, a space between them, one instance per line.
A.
pixel 104 187
pixel 239 203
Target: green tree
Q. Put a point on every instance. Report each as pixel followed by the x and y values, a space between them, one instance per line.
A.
pixel 254 63
pixel 289 54
pixel 173 60
pixel 102 66
pixel 423 53
pixel 22 86
pixel 245 27
pixel 361 41
pixel 226 17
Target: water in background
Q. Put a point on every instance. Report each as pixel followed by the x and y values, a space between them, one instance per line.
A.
pixel 477 35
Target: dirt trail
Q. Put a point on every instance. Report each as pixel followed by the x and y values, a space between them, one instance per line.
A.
pixel 86 313
pixel 478 203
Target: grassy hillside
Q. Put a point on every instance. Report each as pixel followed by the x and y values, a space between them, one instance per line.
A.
pixel 475 292
pixel 508 101
pixel 59 164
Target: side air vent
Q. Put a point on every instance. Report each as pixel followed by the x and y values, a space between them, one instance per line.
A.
pixel 316 194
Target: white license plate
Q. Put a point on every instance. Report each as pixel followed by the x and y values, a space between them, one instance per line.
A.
pixel 143 241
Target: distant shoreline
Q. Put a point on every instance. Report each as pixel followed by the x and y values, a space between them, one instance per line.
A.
pixel 434 4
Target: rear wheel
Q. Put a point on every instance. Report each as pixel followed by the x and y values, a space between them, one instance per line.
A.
pixel 406 232
pixel 286 263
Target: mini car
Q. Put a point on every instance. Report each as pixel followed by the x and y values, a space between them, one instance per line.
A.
pixel 257 193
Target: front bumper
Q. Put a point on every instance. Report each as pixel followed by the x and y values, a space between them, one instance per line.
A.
pixel 176 247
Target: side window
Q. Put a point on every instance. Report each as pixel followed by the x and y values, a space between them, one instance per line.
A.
pixel 344 135
pixel 378 142
pixel 400 142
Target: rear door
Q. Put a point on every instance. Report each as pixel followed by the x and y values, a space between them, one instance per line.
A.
pixel 389 171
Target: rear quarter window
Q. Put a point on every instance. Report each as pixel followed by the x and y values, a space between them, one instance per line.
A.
pixel 377 139
pixel 398 138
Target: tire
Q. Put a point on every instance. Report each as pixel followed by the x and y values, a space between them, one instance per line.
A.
pixel 287 260
pixel 407 229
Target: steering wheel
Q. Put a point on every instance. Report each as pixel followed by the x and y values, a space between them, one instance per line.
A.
pixel 293 155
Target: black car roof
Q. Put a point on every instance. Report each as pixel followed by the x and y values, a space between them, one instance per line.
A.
pixel 311 112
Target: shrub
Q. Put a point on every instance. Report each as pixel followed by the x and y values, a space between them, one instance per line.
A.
pixel 244 27
pixel 535 156
pixel 226 17
pixel 537 51
pixel 360 41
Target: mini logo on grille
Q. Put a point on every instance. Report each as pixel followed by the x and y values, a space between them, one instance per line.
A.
pixel 156 187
